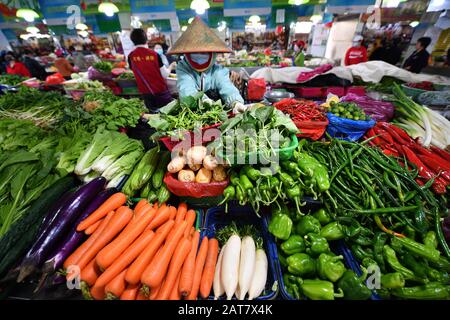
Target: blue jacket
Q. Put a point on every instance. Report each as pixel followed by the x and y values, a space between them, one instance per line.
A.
pixel 189 82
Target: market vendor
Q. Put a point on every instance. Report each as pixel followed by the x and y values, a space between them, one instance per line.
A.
pixel 198 70
pixel 419 58
pixel 299 55
pixel 357 53
pixel 15 67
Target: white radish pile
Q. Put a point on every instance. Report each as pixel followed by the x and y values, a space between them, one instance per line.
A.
pixel 241 269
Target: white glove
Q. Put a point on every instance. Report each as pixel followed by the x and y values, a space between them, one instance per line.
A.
pixel 207 100
pixel 239 108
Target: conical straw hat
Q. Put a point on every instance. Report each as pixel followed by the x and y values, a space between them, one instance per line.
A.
pixel 198 38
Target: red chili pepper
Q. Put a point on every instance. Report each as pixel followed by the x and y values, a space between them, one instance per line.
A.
pixel 424 172
pixel 434 155
pixel 439 187
pixel 420 182
pixel 371 133
pixel 383 135
pixel 394 134
pixel 435 166
pixel 402 133
pixel 389 152
pixel 442 153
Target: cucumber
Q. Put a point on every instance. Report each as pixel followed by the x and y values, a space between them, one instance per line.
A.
pixel 158 176
pixel 163 194
pixel 152 196
pixel 17 240
pixel 145 191
pixel 143 171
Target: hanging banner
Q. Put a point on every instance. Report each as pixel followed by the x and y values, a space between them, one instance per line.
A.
pixel 153 6
pixel 348 6
pixel 281 13
pixel 91 6
pixel 235 8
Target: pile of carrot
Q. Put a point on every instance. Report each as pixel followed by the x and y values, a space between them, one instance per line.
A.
pixel 150 252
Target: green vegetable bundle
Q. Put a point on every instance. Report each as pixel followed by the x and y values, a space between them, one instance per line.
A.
pixel 103 66
pixel 11 79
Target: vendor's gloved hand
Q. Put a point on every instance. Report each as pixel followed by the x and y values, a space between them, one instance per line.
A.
pixel 172 66
pixel 239 108
pixel 207 100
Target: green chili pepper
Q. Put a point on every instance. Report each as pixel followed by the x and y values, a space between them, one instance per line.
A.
pixel 307 224
pixel 240 195
pixel 229 193
pixel 430 240
pixel 368 262
pixel 409 232
pixel 280 226
pixel 420 249
pixel 234 178
pixel 436 275
pixel 330 267
pixel 322 216
pixel 363 240
pixel 391 258
pixel 282 260
pixel 429 291
pixel 419 269
pixel 251 173
pixel 353 286
pixel 442 264
pixel 286 179
pixel 360 253
pixel 332 231
pixel 317 244
pixel 319 290
pixel 245 182
pixel 301 264
pixel 380 240
pixel 295 244
pixel 392 280
pixel 420 220
pixel 321 177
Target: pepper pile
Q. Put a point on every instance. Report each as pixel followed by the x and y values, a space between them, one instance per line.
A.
pixel 375 200
pixel 348 110
pixel 424 85
pixel 301 110
pixel 302 175
pixel 310 268
pixel 432 164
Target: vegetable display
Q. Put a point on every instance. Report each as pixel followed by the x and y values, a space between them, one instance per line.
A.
pixel 88 85
pixel 103 66
pixel 11 79
pixel 348 110
pixel 301 110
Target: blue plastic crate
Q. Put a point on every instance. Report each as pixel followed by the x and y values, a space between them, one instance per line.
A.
pixel 216 218
pixel 353 264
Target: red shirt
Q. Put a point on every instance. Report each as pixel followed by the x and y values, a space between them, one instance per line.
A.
pixel 355 55
pixel 146 65
pixel 19 69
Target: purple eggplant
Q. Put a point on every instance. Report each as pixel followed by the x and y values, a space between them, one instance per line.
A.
pixel 74 238
pixel 54 212
pixel 60 226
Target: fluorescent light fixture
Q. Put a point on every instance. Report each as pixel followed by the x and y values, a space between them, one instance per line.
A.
pixel 183 28
pixel 190 20
pixel 297 2
pixel 83 33
pixel 32 29
pixel 81 26
pixel 108 8
pixel 303 27
pixel 222 26
pixel 200 6
pixel 135 22
pixel 27 14
pixel 315 18
pixel 254 19
pixel 414 24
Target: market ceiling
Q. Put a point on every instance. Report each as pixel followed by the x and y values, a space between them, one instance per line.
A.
pixel 166 15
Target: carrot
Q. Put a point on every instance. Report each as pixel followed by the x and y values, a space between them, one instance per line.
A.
pixel 144 210
pixel 136 269
pixel 112 203
pixel 190 219
pixel 175 293
pixel 116 287
pixel 187 272
pixel 173 213
pixel 79 252
pixel 130 292
pixel 155 271
pixel 119 220
pixel 199 264
pixel 98 293
pixel 161 217
pixel 181 212
pixel 210 266
pixel 140 204
pixel 192 232
pixel 114 249
pixel 91 229
pixel 90 273
pixel 154 292
pixel 126 258
pixel 179 256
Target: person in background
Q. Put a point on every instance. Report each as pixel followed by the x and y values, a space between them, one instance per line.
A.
pixel 198 70
pixel 35 68
pixel 419 58
pixel 78 58
pixel 299 55
pixel 357 53
pixel 380 53
pixel 159 50
pixel 15 67
pixel 149 71
pixel 63 65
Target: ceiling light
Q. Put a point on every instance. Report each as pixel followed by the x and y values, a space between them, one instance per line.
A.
pixel 81 26
pixel 190 20
pixel 83 33
pixel 222 26
pixel 200 6
pixel 297 2
pixel 254 19
pixel 303 27
pixel 108 8
pixel 32 29
pixel 136 22
pixel 183 28
pixel 414 24
pixel 316 18
pixel 27 14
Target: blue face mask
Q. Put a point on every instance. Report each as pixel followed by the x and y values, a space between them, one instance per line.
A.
pixel 159 51
pixel 200 58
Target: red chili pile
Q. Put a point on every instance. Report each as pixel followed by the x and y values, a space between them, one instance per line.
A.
pixel 301 110
pixel 424 85
pixel 431 163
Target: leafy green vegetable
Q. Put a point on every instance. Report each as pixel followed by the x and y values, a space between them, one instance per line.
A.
pixel 11 79
pixel 103 66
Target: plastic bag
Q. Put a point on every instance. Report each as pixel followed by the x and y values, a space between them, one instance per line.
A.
pixel 311 129
pixel 94 74
pixel 193 189
pixel 256 89
pixel 347 129
pixel 55 79
pixel 377 110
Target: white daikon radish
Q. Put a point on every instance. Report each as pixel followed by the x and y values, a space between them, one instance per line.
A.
pixel 259 276
pixel 238 292
pixel 246 265
pixel 230 265
pixel 217 284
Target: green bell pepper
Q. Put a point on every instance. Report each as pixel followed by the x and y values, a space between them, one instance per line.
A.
pixel 319 290
pixel 353 286
pixel 295 244
pixel 317 244
pixel 301 264
pixel 282 260
pixel 332 231
pixel 307 224
pixel 280 226
pixel 429 291
pixel 322 216
pixel 392 280
pixel 330 267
